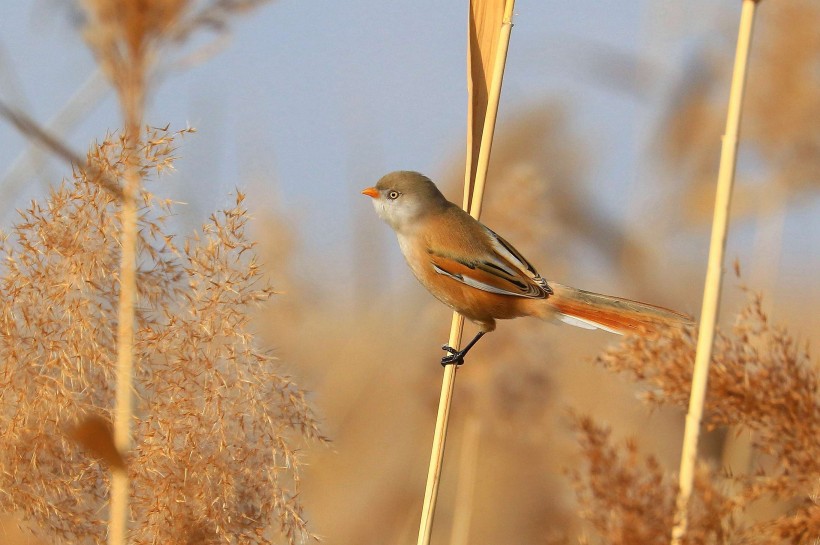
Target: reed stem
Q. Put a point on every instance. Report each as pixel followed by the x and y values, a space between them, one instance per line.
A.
pixel 714 273
pixel 475 197
pixel 132 103
pixel 465 489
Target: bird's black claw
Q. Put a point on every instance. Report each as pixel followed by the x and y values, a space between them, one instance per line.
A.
pixel 454 357
pixel 450 360
pixel 457 356
pixel 448 348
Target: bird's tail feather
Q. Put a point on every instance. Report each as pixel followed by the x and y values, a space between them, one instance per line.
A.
pixel 615 314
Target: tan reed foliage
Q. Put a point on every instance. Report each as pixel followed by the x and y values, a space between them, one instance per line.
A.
pixel 629 499
pixel 122 36
pixel 127 38
pixel 779 119
pixel 762 380
pixel 215 425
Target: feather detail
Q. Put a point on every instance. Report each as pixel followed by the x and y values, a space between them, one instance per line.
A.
pixel 614 314
pixel 491 276
pixel 580 322
pixel 507 251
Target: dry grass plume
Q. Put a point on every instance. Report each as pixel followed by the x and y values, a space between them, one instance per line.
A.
pixel 762 382
pixel 216 427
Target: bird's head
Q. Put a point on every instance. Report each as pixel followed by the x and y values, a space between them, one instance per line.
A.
pixel 402 198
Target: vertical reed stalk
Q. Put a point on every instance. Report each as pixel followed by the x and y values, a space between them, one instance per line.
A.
pixel 132 103
pixel 711 293
pixel 474 197
pixel 465 491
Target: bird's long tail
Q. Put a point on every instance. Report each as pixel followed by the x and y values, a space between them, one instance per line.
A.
pixel 615 314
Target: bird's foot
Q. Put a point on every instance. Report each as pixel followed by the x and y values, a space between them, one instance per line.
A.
pixel 454 357
pixel 457 356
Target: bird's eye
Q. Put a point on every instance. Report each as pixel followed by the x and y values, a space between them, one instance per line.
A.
pixel 393 195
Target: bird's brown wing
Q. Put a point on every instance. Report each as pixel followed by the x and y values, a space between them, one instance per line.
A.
pixel 498 269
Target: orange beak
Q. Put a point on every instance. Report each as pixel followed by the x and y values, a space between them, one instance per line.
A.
pixel 371 192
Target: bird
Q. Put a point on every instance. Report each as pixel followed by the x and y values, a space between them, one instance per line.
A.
pixel 474 271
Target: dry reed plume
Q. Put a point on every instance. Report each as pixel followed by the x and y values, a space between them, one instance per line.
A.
pixel 215 426
pixel 762 381
pixel 627 499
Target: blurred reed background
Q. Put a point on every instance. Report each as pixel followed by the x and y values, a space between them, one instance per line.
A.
pixel 349 325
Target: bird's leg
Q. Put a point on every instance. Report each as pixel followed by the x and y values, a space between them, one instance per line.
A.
pixel 457 356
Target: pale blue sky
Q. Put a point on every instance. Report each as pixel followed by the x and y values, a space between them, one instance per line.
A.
pixel 307 102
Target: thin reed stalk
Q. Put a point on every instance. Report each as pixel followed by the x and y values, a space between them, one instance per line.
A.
pixel 118 515
pixel 473 194
pixel 132 103
pixel 465 490
pixel 714 272
pixel 32 160
pixel 48 141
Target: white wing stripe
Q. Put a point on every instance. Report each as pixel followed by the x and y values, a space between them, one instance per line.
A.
pixel 472 282
pixel 502 250
pixel 515 258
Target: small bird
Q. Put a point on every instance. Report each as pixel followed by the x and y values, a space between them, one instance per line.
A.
pixel 474 271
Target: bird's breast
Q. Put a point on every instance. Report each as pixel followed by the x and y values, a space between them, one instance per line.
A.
pixel 416 256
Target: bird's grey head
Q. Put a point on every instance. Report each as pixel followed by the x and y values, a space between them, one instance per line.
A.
pixel 402 198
